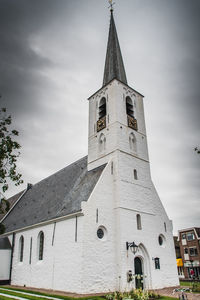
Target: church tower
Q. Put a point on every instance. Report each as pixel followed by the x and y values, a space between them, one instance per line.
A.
pixel 116 114
pixel 117 138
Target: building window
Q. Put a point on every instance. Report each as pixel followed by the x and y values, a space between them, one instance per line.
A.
pixel 21 248
pixel 165 226
pixel 129 107
pixel 160 240
pixel 132 122
pixel 30 255
pixel 40 245
pixel 193 251
pixel 102 233
pixel 135 174
pixel 102 108
pixel 139 224
pixel 190 236
pixel 185 250
pixel 183 236
pixel 157 263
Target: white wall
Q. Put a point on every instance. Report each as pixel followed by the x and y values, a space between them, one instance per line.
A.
pixel 5 264
pixel 60 268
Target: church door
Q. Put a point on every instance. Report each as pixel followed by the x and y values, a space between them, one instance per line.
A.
pixel 138 273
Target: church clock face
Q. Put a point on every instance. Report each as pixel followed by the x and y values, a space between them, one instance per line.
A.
pixel 132 123
pixel 101 124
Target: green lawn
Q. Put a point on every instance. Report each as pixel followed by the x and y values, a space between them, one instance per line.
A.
pixel 30 296
pixel 185 283
pixel 6 298
pixel 12 292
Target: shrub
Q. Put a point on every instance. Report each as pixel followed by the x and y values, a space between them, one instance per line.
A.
pixel 137 294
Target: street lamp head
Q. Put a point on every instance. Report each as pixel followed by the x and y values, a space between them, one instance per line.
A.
pixel 132 246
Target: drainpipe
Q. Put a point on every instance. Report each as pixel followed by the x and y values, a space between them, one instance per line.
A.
pixel 11 258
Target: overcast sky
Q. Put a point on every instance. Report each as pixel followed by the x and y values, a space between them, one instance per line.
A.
pixel 52 56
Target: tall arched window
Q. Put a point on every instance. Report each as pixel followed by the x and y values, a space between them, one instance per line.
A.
pixel 132 142
pixel 102 142
pixel 40 245
pixel 135 174
pixel 165 226
pixel 139 224
pixel 21 248
pixel 129 107
pixel 102 108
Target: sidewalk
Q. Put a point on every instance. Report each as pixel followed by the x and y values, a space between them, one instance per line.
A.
pixel 169 292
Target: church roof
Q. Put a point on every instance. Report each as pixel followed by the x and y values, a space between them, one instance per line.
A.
pixel 114 67
pixel 12 201
pixel 4 243
pixel 58 195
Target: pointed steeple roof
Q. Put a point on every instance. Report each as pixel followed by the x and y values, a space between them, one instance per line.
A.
pixel 114 67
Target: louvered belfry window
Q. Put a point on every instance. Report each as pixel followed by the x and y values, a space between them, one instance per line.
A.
pixel 102 108
pixel 129 107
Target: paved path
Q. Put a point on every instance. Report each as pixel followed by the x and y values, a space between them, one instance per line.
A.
pixel 169 292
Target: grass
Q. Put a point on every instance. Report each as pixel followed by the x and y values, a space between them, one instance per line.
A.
pixel 185 283
pixel 6 298
pixel 32 297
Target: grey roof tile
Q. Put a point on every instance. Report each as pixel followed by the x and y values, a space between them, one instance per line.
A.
pixel 58 195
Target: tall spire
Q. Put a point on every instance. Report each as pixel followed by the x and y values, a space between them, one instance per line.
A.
pixel 114 67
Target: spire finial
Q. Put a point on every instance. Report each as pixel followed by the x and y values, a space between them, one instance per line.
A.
pixel 111 5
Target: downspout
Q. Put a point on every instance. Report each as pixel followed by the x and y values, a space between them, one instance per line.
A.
pixel 11 258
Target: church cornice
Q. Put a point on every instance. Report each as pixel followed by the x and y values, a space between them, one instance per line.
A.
pixel 47 222
pixel 105 87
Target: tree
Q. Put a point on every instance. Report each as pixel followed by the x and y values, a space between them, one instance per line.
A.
pixel 8 157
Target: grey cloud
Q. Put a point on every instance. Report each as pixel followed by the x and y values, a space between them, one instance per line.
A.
pixel 52 59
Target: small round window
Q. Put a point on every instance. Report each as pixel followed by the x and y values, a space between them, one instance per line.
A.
pixel 101 233
pixel 161 240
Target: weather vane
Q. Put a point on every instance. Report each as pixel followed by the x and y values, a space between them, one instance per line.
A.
pixel 111 4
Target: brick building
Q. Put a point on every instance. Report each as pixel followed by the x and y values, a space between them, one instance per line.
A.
pixel 189 240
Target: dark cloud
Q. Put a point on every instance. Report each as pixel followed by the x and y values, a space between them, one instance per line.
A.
pixel 52 59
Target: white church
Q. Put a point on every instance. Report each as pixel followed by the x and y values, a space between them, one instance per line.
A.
pixel 97 225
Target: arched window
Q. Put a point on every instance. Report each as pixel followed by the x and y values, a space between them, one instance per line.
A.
pixel 21 248
pixel 132 142
pixel 129 107
pixel 102 108
pixel 102 142
pixel 40 245
pixel 135 174
pixel 165 226
pixel 139 224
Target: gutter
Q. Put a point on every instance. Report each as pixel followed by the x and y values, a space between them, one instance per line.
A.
pixel 11 259
pixel 79 213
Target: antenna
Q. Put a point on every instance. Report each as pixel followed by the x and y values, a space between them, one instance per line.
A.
pixel 111 5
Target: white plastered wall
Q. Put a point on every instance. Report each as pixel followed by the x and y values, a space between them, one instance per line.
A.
pixel 60 268
pixel 5 255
